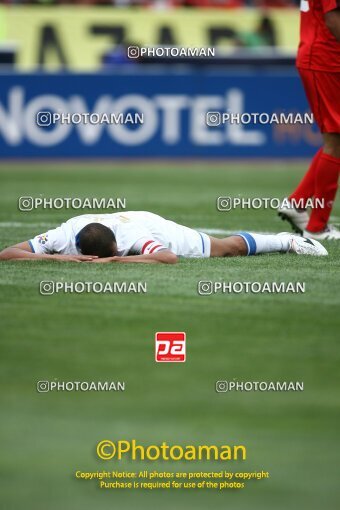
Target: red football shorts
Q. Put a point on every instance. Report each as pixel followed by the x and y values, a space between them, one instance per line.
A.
pixel 323 94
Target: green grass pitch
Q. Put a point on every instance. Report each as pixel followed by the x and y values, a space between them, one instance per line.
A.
pixel 47 437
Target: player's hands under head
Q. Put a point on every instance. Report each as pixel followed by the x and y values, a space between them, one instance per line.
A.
pixel 75 258
pixel 104 260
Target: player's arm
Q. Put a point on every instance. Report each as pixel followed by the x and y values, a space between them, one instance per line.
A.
pixel 141 248
pixel 332 20
pixel 148 251
pixel 161 257
pixel 24 251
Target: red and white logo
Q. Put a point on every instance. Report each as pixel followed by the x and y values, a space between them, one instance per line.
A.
pixel 170 347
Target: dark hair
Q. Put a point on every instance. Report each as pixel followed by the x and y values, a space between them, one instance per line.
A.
pixel 96 239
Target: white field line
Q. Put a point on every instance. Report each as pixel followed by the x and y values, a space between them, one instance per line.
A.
pixel 212 231
pixel 221 231
pixel 19 224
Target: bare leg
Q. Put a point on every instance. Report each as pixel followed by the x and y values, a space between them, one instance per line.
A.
pixel 233 246
pixel 248 243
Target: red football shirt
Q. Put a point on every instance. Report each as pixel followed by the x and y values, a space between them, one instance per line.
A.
pixel 318 49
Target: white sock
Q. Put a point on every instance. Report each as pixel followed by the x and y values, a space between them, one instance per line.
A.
pixel 261 243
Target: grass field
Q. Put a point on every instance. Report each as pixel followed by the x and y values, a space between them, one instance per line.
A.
pixel 47 437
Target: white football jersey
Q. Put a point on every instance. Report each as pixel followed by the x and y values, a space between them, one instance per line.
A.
pixel 136 232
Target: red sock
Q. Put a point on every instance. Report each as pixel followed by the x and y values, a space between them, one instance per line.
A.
pixel 326 185
pixel 306 188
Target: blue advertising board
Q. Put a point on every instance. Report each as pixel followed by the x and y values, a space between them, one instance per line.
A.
pixel 157 113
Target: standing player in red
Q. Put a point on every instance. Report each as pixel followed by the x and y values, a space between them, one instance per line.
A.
pixel 318 62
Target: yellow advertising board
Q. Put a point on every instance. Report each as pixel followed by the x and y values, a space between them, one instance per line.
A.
pixel 79 36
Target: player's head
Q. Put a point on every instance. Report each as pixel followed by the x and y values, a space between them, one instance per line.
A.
pixel 96 239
